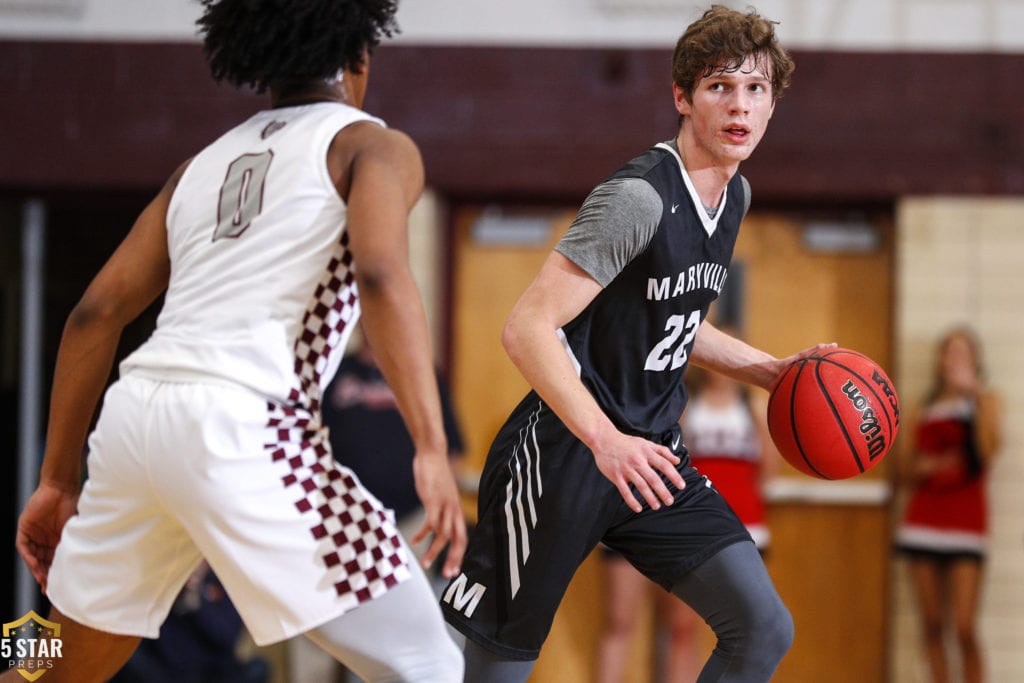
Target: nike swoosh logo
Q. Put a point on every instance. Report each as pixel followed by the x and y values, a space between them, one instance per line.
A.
pixel 674 207
pixel 675 442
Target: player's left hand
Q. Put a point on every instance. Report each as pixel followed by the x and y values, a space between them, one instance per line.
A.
pixel 631 460
pixel 436 487
pixel 40 525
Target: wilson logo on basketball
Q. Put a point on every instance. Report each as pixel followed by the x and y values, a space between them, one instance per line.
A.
pixel 883 383
pixel 869 426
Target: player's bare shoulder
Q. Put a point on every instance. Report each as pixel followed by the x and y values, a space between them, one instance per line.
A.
pixel 367 147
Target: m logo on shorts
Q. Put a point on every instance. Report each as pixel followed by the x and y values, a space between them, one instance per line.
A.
pixel 30 645
pixel 463 600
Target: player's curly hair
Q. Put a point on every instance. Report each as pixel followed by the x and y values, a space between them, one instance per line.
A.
pixel 263 42
pixel 722 39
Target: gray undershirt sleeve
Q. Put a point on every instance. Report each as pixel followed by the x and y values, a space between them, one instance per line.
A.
pixel 616 222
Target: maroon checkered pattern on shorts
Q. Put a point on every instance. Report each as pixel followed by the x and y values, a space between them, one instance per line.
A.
pixel 358 541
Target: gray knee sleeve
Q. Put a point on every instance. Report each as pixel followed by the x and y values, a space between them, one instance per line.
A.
pixel 483 666
pixel 735 596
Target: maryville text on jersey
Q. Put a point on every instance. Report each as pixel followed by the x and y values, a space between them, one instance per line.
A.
pixel 702 275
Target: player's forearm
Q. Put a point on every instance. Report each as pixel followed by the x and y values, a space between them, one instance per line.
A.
pixel 396 328
pixel 84 361
pixel 717 351
pixel 538 353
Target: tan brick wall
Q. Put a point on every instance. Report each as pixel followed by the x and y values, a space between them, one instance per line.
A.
pixel 962 261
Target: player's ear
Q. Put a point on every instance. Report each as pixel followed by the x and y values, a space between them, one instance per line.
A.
pixel 682 103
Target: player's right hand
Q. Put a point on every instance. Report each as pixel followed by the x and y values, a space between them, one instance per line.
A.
pixel 437 490
pixel 40 525
pixel 780 365
pixel 626 460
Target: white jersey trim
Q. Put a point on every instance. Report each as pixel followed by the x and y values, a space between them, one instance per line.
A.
pixel 710 223
pixel 568 349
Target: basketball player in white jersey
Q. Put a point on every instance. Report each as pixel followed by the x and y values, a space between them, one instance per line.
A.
pixel 269 244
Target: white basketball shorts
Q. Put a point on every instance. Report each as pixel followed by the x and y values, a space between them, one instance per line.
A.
pixel 178 471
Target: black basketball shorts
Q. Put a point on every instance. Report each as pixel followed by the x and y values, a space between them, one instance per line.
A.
pixel 543 507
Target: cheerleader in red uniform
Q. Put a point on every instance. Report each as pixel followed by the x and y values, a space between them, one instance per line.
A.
pixel 944 530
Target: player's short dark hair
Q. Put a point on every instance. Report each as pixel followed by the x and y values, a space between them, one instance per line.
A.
pixel 262 42
pixel 722 39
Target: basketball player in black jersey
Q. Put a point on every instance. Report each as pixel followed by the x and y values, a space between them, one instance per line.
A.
pixel 603 335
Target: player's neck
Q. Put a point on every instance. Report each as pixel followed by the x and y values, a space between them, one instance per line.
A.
pixel 292 94
pixel 709 177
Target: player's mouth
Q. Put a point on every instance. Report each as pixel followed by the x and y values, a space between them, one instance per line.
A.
pixel 737 133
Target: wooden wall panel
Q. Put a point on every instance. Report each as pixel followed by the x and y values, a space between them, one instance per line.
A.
pixel 830 564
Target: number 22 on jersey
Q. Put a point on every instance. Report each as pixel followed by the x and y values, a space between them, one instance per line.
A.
pixel 671 349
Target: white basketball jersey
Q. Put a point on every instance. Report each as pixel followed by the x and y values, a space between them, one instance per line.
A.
pixel 262 290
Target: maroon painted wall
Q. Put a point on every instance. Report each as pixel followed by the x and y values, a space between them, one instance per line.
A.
pixel 530 122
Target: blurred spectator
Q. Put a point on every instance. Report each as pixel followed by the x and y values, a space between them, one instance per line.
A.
pixel 955 435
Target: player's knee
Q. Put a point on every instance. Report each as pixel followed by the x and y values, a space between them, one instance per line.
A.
pixel 779 633
pixel 763 638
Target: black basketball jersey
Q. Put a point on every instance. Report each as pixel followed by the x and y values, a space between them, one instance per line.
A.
pixel 632 342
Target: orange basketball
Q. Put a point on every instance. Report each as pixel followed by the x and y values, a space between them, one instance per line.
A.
pixel 833 415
